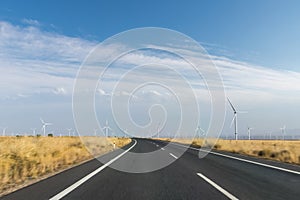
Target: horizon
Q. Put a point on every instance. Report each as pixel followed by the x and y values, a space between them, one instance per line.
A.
pixel 41 56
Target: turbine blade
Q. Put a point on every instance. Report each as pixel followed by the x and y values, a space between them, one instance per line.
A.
pixel 42 121
pixel 241 112
pixel 231 105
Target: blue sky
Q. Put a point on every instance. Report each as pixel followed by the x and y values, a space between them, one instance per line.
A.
pixel 247 30
pixel 44 43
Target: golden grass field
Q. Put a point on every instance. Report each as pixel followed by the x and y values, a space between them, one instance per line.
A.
pixel 284 151
pixel 25 159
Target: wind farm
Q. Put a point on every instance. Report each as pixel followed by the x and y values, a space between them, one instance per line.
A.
pixel 44 125
pixel 150 100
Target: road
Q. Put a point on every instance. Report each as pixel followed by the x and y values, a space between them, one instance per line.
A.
pixel 217 176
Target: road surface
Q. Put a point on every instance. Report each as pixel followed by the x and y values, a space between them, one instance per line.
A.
pixel 217 176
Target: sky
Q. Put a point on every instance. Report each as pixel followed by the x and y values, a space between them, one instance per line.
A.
pixel 255 45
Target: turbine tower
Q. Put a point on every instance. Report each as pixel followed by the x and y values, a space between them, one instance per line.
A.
pixel 283 131
pixel 249 133
pixel 33 131
pixel 4 131
pixel 158 130
pixel 106 128
pixel 95 131
pixel 234 120
pixel 69 130
pixel 45 124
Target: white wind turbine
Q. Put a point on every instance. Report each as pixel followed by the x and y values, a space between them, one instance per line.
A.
pixel 4 131
pixel 270 135
pixel 95 131
pixel 69 130
pixel 283 131
pixel 199 130
pixel 33 131
pixel 234 120
pixel 158 130
pixel 125 133
pixel 106 128
pixel 45 124
pixel 249 132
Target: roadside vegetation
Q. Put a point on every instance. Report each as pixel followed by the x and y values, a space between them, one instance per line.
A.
pixel 284 151
pixel 24 160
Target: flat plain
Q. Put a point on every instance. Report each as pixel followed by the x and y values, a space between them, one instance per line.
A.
pixel 25 160
pixel 280 150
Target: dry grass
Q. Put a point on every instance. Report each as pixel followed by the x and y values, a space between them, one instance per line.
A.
pixel 28 158
pixel 284 151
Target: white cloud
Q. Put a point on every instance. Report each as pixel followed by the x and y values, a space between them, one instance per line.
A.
pixel 155 92
pixel 34 62
pixel 31 22
pixel 60 91
pixel 103 93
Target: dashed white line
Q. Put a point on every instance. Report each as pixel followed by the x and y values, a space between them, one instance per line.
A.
pixel 227 194
pixel 162 148
pixel 87 177
pixel 173 156
pixel 243 160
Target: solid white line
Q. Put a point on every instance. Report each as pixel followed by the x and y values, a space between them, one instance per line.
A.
pixel 162 149
pixel 173 155
pixel 87 177
pixel 227 194
pixel 244 160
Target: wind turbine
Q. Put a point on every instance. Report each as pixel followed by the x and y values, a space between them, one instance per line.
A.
pixel 95 131
pixel 199 130
pixel 158 130
pixel 249 133
pixel 4 131
pixel 106 128
pixel 283 131
pixel 234 120
pixel 45 124
pixel 69 130
pixel 33 131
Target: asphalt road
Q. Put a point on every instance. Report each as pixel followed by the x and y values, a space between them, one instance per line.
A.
pixel 217 176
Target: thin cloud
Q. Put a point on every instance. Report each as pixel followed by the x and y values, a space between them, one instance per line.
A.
pixel 31 22
pixel 35 61
pixel 60 91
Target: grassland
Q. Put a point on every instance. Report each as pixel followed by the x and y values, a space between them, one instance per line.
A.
pixel 24 160
pixel 284 151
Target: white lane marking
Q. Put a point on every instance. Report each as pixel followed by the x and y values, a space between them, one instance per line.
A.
pixel 173 156
pixel 227 194
pixel 87 177
pixel 157 145
pixel 244 160
pixel 162 149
